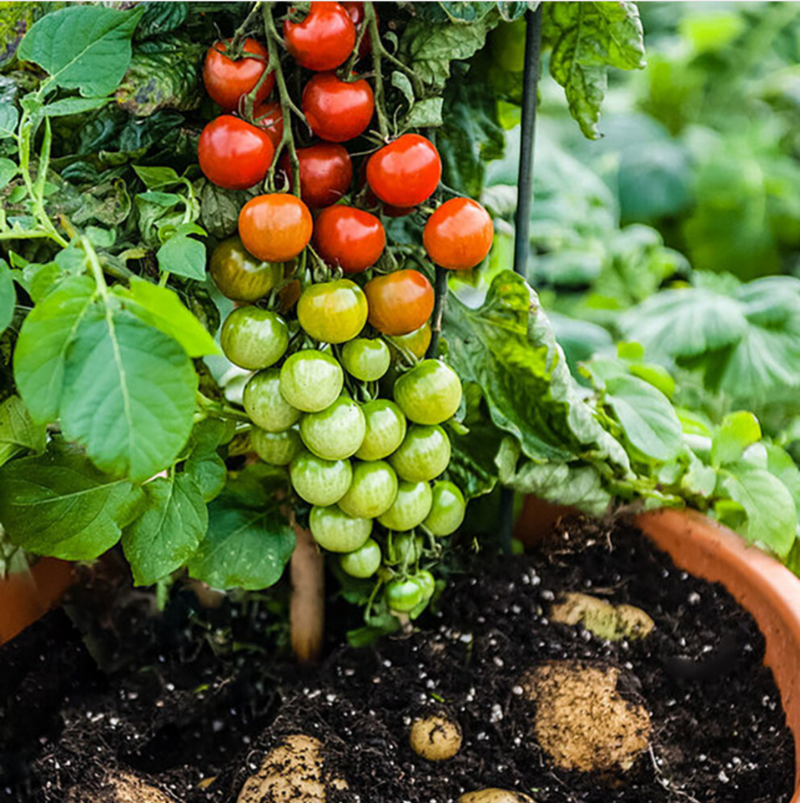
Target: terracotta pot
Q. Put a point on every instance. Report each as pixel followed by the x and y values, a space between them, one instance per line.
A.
pixel 24 597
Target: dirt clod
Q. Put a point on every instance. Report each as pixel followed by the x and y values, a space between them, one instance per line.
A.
pixel 122 787
pixel 495 796
pixel 604 620
pixel 435 738
pixel 582 721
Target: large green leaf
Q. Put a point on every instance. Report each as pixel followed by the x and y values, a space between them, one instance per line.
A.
pixel 183 256
pixel 507 347
pixel 129 393
pixel 246 547
pixel 168 533
pixel 587 39
pixel 59 504
pixel 83 47
pixel 8 296
pixel 17 432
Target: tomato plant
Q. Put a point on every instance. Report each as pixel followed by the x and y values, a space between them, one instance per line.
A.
pixel 333 312
pixel 228 80
pixel 399 302
pixel 275 227
pixel 254 338
pixel 325 173
pixel 324 39
pixel 336 432
pixel 365 359
pixel 336 110
pixel 349 238
pixel 405 172
pixel 311 380
pixel 240 276
pixel 458 235
pixel 269 116
pixel 234 154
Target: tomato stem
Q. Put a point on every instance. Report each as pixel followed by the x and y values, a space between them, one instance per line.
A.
pixel 235 49
pixel 371 21
pixel 440 299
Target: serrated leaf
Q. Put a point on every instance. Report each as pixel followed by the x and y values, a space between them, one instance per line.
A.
pixel 83 47
pixel 168 533
pixel 8 296
pixel 402 82
pixel 160 307
pixel 245 547
pixel 183 256
pixel 18 433
pixel 59 504
pixel 426 114
pixel 736 432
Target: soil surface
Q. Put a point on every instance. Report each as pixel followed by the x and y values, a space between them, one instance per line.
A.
pixel 188 696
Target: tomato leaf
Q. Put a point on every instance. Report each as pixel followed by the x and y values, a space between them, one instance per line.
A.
pixel 183 256
pixel 168 533
pixel 83 47
pixel 59 504
pixel 9 117
pixel 7 172
pixel 65 106
pixel 246 547
pixel 736 432
pixel 8 296
pixel 18 433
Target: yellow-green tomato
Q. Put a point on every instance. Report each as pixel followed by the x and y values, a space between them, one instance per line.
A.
pixel 429 393
pixel 362 562
pixel 311 380
pixel 239 275
pixel 385 429
pixel 404 548
pixel 426 582
pixel 403 595
pixel 254 338
pixel 414 343
pixel 265 405
pixel 333 312
pixel 367 360
pixel 423 455
pixel 336 432
pixel 335 531
pixel 372 490
pixel 447 510
pixel 318 481
pixel 410 507
pixel 276 448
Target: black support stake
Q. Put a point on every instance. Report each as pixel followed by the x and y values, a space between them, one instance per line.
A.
pixel 530 87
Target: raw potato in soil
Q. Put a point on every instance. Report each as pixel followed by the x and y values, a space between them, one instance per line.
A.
pixel 119 788
pixel 612 622
pixel 435 738
pixel 495 796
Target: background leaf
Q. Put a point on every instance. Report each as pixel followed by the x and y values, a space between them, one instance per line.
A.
pixel 183 256
pixel 18 433
pixel 8 296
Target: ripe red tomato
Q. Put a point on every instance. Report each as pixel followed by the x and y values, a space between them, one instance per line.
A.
pixel 349 237
pixel 325 173
pixel 234 154
pixel 337 110
pixel 399 302
pixel 227 81
pixel 355 8
pixel 458 235
pixel 324 39
pixel 275 227
pixel 269 116
pixel 405 172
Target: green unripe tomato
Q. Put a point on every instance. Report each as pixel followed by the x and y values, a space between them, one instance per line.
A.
pixel 414 343
pixel 410 507
pixel 423 455
pixel 362 562
pixel 367 360
pixel 336 432
pixel 508 45
pixel 239 275
pixel 254 338
pixel 385 429
pixel 320 482
pixel 276 448
pixel 426 581
pixel 333 312
pixel 405 548
pixel 311 380
pixel 335 531
pixel 372 490
pixel 403 595
pixel 429 393
pixel 265 405
pixel 447 510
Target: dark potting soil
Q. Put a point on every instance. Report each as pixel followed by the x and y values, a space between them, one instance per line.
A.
pixel 187 707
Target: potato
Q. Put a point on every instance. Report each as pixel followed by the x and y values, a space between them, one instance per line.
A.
pixel 292 771
pixel 606 621
pixel 495 796
pixel 122 787
pixel 435 738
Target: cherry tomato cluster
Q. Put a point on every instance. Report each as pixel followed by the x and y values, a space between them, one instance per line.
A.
pixel 342 393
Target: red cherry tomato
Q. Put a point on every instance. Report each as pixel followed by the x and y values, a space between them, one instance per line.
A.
pixel 275 227
pixel 349 237
pixel 405 172
pixel 269 116
pixel 325 173
pixel 234 154
pixel 458 235
pixel 355 8
pixel 337 110
pixel 399 302
pixel 227 81
pixel 324 39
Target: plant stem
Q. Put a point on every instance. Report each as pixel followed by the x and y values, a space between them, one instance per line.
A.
pixel 97 268
pixel 240 32
pixel 371 20
pixel 307 606
pixel 440 299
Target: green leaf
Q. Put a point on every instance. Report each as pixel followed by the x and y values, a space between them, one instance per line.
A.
pixel 646 416
pixel 736 432
pixel 770 509
pixel 245 547
pixel 9 117
pixel 183 256
pixel 472 462
pixel 156 178
pixel 209 472
pixel 17 432
pixel 65 106
pixel 129 393
pixel 587 39
pixel 168 533
pixel 425 114
pixel 160 18
pixel 83 47
pixel 60 505
pixel 160 307
pixel 219 209
pixel 655 375
pixel 7 172
pixel 8 296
